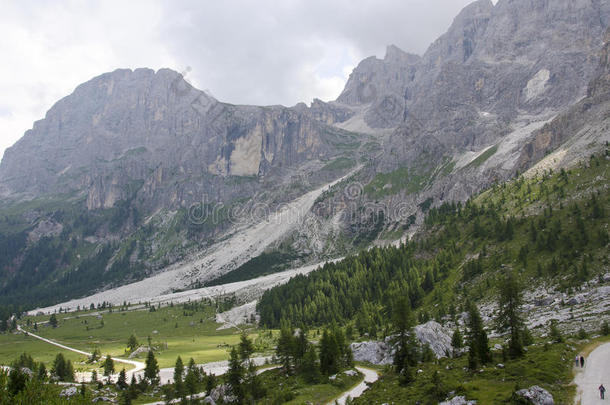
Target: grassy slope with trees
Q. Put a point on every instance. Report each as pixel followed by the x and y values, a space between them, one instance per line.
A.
pixel 548 229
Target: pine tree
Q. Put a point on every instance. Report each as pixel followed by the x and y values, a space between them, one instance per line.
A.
pixel 59 367
pixel 457 341
pixel 132 343
pixel 235 375
pixel 329 354
pixel 151 371
pixel 285 348
pixel 53 320
pixel 122 380
pixel 554 333
pixel 108 366
pixel 246 348
pixel 42 372
pixel 509 317
pixel 310 368
pixel 178 375
pixel 406 352
pixel 190 381
pixel 478 344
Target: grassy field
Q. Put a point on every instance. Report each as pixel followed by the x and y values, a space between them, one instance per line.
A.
pixel 174 331
pixel 294 391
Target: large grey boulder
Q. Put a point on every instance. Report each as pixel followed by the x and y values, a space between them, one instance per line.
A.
pixel 382 352
pixel 536 395
pixel 459 400
pixel 436 336
pixel 374 352
pixel 68 392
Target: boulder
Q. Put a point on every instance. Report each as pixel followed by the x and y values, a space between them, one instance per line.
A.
pixel 374 352
pixel 576 300
pixel 381 353
pixel 436 336
pixel 138 351
pixel 68 392
pixel 103 399
pixel 536 395
pixel 222 393
pixel 459 400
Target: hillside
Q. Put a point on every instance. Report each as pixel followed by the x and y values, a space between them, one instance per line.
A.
pixel 552 229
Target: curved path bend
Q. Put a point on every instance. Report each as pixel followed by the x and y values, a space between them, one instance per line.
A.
pixel 595 372
pixel 138 366
pixel 370 376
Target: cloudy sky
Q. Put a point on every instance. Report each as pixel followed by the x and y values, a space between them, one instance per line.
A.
pixel 246 51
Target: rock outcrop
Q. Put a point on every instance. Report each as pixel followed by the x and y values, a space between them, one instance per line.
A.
pixel 437 337
pixel 459 400
pixel 430 333
pixel 374 352
pixel 536 395
pixel 584 125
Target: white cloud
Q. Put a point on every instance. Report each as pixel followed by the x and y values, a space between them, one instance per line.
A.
pixel 257 52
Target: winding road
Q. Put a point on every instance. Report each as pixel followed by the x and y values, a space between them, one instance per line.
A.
pixel 221 367
pixel 595 372
pixel 370 376
pixel 138 366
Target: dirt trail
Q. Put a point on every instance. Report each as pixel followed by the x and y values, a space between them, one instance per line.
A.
pixel 370 376
pixel 138 366
pixel 595 372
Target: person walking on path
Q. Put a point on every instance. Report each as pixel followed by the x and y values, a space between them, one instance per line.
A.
pixel 602 391
pixel 582 361
pixel 576 360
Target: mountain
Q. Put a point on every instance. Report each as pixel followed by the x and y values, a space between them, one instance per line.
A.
pixel 137 173
pixel 154 128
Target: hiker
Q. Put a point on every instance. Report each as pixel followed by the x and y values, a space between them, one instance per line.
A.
pixel 582 361
pixel 577 360
pixel 602 390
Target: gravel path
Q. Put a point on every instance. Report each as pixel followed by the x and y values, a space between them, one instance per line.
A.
pixel 595 372
pixel 138 366
pixel 370 376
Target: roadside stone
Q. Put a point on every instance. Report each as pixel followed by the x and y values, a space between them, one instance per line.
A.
pixel 536 396
pixel 459 400
pixel 68 392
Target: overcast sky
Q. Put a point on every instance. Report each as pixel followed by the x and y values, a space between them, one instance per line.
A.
pixel 246 52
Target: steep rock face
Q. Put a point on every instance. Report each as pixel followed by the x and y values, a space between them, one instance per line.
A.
pixel 141 126
pixel 585 124
pixel 382 84
pixel 518 58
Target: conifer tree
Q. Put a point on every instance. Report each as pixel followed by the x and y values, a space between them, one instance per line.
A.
pixel 151 371
pixel 235 375
pixel 122 380
pixel 329 354
pixel 310 368
pixel 53 320
pixel 132 343
pixel 178 378
pixel 108 366
pixel 509 317
pixel 285 348
pixel 478 344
